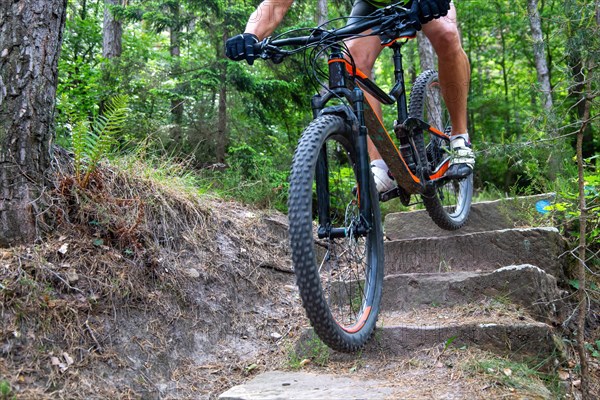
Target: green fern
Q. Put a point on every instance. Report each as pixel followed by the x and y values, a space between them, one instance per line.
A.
pixel 92 141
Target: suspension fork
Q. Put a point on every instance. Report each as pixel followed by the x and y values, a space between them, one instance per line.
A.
pixel 338 87
pixel 364 168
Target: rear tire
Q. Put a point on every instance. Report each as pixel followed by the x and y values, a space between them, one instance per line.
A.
pixel 340 279
pixel 448 201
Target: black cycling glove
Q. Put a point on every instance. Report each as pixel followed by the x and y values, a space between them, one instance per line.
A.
pixel 241 47
pixel 424 11
pixel 428 10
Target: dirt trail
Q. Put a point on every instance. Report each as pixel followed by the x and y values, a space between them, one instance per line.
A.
pixel 195 297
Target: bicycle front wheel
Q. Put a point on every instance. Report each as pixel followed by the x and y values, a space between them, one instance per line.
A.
pixel 448 201
pixel 339 272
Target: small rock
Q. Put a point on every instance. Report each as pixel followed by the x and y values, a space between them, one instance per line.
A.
pixel 192 273
pixel 63 249
pixel 577 383
pixel 276 336
pixel 72 276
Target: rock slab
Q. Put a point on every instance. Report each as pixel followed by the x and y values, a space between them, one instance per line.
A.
pixel 482 251
pixel 484 216
pixel 301 386
pixel 526 285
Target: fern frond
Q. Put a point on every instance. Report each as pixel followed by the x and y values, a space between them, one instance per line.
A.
pixel 93 141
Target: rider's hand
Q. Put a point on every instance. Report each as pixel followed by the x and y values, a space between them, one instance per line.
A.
pixel 428 10
pixel 241 47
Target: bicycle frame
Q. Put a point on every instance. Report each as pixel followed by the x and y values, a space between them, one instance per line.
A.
pixel 340 80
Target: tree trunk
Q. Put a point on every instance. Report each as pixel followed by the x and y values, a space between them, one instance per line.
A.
pixel 176 101
pixel 543 75
pixel 427 55
pixel 30 39
pixel 112 31
pixel 321 11
pixel 222 134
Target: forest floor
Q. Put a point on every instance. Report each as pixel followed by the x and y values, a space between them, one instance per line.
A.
pixel 146 290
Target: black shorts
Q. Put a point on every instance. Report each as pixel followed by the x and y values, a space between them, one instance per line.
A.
pixel 360 9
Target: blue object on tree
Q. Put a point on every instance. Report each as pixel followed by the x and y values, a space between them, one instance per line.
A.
pixel 541 205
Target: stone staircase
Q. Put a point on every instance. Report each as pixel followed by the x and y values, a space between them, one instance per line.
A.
pixel 491 285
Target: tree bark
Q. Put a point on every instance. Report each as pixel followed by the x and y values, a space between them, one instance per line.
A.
pixel 176 102
pixel 543 75
pixel 321 11
pixel 581 267
pixel 30 38
pixel 112 32
pixel 427 57
pixel 222 137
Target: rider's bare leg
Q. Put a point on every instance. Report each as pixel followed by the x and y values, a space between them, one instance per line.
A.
pixel 365 51
pixel 454 68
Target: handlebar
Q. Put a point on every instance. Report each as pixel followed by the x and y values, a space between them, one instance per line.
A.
pixel 389 23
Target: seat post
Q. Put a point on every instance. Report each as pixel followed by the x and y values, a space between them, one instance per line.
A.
pixel 399 87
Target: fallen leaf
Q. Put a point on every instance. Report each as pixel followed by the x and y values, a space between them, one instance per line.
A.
pixel 304 362
pixel 577 383
pixel 54 361
pixel 68 358
pixel 275 336
pixel 251 367
pixel 563 375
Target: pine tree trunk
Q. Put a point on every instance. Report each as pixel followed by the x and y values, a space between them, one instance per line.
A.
pixel 112 32
pixel 30 39
pixel 543 75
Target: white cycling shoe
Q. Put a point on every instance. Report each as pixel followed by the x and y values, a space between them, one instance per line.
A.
pixel 383 181
pixel 463 158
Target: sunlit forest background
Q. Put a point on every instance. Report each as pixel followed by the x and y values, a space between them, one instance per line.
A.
pixel 235 126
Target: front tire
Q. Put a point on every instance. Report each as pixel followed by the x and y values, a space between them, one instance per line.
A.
pixel 339 278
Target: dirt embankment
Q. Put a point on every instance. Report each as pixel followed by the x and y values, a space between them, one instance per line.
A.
pixel 145 290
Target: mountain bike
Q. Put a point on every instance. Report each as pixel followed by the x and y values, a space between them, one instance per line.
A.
pixel 335 220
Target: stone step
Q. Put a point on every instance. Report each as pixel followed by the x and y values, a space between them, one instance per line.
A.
pixel 525 285
pixel 519 340
pixel 480 251
pixel 277 385
pixel 484 216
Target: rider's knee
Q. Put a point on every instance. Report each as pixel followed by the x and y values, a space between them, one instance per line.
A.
pixel 445 39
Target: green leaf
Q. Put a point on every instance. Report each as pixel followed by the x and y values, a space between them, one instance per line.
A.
pixel 574 283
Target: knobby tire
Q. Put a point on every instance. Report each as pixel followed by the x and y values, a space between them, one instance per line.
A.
pixel 448 203
pixel 340 280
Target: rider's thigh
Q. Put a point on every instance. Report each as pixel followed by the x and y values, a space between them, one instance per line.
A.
pixel 365 51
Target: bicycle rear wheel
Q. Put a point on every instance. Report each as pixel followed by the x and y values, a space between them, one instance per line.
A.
pixel 448 201
pixel 339 272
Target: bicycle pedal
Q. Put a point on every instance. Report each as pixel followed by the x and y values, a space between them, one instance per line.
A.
pixel 390 194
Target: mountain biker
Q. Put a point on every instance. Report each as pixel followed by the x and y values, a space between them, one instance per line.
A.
pixel 438 19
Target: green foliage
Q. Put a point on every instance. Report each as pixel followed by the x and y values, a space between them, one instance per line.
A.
pixel 519 376
pixel 252 177
pixel 310 350
pixel 92 141
pixel 267 106
pixel 6 392
pixel 594 349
